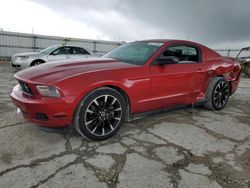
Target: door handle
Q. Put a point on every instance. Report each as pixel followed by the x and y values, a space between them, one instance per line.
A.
pixel 200 70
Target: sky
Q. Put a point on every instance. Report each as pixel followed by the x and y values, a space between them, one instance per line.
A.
pixel 215 23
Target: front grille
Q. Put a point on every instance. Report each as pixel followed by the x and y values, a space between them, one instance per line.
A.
pixel 41 116
pixel 25 88
pixel 13 65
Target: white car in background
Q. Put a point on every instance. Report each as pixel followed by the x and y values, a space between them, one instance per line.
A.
pixel 52 53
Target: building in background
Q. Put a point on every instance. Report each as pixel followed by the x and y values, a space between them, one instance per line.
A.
pixel 13 42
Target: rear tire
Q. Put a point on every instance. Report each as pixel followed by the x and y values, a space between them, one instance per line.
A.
pixel 217 94
pixel 100 114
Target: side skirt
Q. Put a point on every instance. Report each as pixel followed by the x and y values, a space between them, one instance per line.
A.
pixel 158 111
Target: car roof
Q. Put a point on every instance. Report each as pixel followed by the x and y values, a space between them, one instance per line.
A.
pixel 62 45
pixel 66 45
pixel 246 48
pixel 156 40
pixel 170 40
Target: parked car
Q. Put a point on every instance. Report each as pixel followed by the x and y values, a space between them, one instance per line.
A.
pixel 52 53
pixel 244 58
pixel 96 96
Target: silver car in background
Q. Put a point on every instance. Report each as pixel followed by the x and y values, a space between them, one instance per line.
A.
pixel 52 53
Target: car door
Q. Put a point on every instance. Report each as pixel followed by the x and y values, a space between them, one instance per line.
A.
pixel 58 54
pixel 78 53
pixel 177 82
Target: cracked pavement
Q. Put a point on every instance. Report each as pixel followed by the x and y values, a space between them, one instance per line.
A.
pixel 183 148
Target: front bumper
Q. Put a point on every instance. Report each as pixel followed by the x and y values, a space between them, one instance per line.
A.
pixel 16 66
pixel 20 64
pixel 45 112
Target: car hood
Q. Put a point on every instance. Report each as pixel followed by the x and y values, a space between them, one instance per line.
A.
pixel 28 54
pixel 57 71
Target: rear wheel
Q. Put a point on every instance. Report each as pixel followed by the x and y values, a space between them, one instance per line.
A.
pixel 101 114
pixel 217 94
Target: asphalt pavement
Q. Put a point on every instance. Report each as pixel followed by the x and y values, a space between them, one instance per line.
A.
pixel 182 148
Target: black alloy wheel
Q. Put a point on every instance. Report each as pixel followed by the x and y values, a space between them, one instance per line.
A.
pixel 100 114
pixel 221 94
pixel 217 94
pixel 103 115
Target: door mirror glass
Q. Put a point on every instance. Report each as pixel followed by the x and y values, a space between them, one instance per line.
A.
pixel 164 60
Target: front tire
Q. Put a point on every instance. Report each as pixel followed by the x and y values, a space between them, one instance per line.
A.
pixel 217 94
pixel 100 114
pixel 37 62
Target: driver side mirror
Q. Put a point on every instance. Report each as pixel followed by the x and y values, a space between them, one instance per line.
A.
pixel 164 60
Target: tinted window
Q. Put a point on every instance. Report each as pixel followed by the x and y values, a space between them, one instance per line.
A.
pixel 68 50
pixel 59 51
pixel 184 54
pixel 49 49
pixel 76 50
pixel 135 53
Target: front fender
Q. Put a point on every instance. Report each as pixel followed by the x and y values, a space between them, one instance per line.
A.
pixel 94 86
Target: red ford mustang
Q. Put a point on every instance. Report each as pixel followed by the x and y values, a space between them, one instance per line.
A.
pixel 97 95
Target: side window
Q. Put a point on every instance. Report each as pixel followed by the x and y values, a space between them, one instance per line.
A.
pixel 68 50
pixel 59 51
pixel 185 54
pixel 80 51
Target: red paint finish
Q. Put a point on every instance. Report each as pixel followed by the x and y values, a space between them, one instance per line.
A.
pixel 147 87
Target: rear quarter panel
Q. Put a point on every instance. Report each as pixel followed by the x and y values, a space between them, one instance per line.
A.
pixel 218 66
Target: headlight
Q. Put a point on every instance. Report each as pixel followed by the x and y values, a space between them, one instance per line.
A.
pixel 23 57
pixel 48 91
pixel 17 88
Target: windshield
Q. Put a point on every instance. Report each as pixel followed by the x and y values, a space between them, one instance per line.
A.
pixel 244 53
pixel 49 49
pixel 135 53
